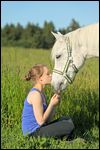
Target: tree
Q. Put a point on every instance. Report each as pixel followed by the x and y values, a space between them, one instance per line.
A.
pixel 8 34
pixel 47 36
pixel 18 32
pixel 63 31
pixel 32 36
pixel 73 26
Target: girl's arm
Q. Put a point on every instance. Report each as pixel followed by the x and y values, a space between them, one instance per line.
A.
pixel 36 101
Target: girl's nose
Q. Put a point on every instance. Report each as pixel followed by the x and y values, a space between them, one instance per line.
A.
pixel 50 75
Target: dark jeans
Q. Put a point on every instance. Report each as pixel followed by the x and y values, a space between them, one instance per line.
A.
pixel 58 128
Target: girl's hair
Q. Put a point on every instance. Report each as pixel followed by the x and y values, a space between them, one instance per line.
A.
pixel 35 72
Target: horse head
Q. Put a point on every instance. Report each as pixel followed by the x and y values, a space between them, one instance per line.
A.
pixel 66 62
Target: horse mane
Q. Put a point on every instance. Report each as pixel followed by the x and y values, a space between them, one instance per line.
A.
pixel 76 34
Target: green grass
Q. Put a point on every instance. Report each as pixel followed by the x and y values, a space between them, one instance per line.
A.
pixel 80 101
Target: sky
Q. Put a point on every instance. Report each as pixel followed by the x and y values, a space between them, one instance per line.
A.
pixel 59 12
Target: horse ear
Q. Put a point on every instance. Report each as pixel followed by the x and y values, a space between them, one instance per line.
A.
pixel 60 34
pixel 55 35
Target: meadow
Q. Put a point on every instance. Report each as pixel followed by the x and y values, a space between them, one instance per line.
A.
pixel 80 101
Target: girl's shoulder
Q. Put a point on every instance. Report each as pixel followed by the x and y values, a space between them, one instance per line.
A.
pixel 33 95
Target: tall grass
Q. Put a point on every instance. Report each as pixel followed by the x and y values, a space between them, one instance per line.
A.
pixel 80 101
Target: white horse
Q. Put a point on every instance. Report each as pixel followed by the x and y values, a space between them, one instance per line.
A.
pixel 70 52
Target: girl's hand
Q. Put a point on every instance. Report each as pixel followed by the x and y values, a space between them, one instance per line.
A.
pixel 55 100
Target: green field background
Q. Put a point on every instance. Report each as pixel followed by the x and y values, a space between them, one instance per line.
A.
pixel 80 101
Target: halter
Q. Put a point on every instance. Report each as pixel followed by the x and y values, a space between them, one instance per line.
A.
pixel 69 61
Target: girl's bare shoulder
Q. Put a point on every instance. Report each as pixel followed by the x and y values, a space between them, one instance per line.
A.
pixel 33 96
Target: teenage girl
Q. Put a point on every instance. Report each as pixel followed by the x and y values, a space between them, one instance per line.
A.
pixel 36 114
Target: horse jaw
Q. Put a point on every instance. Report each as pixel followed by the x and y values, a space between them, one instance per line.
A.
pixel 59 83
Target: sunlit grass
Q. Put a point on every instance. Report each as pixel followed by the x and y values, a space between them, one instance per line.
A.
pixel 80 101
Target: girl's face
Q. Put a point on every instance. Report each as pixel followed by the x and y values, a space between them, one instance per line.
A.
pixel 46 77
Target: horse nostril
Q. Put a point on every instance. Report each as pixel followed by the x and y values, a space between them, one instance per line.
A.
pixel 61 83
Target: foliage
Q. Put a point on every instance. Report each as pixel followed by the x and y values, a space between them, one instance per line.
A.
pixel 32 36
pixel 73 26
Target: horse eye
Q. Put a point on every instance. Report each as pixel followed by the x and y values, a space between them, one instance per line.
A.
pixel 58 56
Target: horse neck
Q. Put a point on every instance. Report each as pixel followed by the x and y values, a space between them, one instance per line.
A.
pixel 89 53
pixel 86 40
pixel 92 53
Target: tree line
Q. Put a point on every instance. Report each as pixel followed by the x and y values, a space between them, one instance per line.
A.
pixel 33 36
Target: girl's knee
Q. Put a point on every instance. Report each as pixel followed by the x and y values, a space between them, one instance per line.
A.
pixel 71 124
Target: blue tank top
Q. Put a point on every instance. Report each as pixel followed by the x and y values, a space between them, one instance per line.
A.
pixel 29 123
